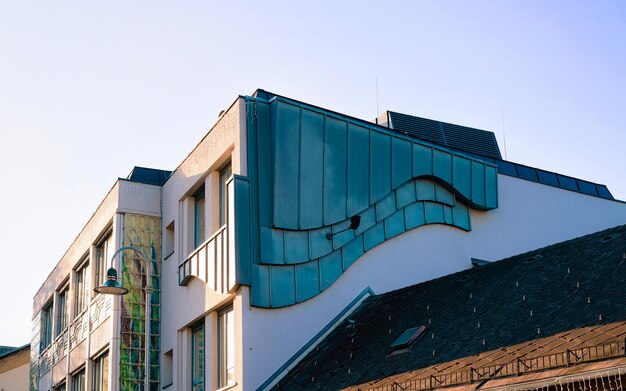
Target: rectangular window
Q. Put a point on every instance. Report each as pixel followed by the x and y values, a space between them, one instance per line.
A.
pixel 197 357
pixel 225 173
pixel 62 311
pixel 101 373
pixel 198 217
pixel 168 247
pixel 60 387
pixel 103 251
pixel 46 325
pixel 78 381
pixel 80 290
pixel 226 347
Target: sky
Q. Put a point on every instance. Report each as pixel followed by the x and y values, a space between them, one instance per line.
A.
pixel 90 89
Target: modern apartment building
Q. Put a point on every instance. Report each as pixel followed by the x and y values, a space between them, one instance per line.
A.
pixel 273 230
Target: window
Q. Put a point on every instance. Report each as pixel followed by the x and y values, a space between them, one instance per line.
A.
pixel 225 173
pixel 103 251
pixel 62 311
pixel 226 347
pixel 80 292
pixel 198 217
pixel 169 240
pixel 197 357
pixel 101 373
pixel 60 387
pixel 78 381
pixel 168 369
pixel 46 325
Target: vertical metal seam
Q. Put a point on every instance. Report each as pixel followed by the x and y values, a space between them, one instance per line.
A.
pixel 324 171
pixel 299 217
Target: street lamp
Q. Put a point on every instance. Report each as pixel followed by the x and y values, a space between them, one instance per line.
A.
pixel 113 287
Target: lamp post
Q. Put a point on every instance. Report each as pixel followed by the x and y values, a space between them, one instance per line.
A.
pixel 113 287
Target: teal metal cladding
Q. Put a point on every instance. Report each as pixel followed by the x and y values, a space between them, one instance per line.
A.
pixel 310 170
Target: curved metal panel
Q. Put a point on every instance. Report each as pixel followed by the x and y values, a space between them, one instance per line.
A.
pixel 312 170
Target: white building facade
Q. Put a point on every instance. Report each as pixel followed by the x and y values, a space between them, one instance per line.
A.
pixel 255 255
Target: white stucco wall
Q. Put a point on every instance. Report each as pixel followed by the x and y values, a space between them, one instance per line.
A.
pixel 529 216
pixel 15 379
pixel 182 306
pixel 139 198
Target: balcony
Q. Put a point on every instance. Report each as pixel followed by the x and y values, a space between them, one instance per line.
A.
pixel 216 261
pixel 210 262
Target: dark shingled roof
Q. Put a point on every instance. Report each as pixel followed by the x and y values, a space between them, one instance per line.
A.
pixel 565 296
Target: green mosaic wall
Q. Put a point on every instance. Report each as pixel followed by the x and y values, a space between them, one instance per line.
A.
pixel 143 232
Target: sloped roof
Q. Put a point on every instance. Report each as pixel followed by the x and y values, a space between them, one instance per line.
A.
pixel 570 295
pixel 474 142
pixel 6 351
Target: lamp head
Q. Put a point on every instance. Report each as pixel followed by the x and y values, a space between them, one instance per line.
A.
pixel 355 222
pixel 111 286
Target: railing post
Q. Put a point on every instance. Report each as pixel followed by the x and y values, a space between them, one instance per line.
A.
pixel 569 360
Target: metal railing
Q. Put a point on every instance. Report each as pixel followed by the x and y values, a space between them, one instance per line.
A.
pixel 210 262
pixel 520 366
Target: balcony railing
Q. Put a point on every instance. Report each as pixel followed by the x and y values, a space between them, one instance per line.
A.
pixel 210 262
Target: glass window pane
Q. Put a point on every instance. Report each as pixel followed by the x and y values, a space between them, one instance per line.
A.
pixel 101 373
pixel 230 347
pixel 46 326
pixel 226 348
pixel 197 357
pixel 199 220
pixel 103 250
pixel 225 173
pixel 80 292
pixel 61 312
pixel 105 373
pixel 78 381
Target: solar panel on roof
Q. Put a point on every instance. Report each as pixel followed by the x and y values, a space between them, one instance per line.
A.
pixel 586 187
pixel 604 192
pixel 567 183
pixel 549 178
pixel 482 144
pixel 527 173
pixel 476 141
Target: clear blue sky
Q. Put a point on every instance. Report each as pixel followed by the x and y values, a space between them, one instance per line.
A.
pixel 88 90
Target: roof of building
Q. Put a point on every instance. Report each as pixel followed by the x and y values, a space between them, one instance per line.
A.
pixel 567 296
pixel 477 143
pixel 483 144
pixel 149 176
pixel 6 351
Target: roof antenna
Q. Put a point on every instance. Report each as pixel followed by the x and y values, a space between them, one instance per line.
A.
pixel 503 132
pixel 377 109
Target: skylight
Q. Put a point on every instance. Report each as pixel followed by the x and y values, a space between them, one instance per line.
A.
pixel 406 340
